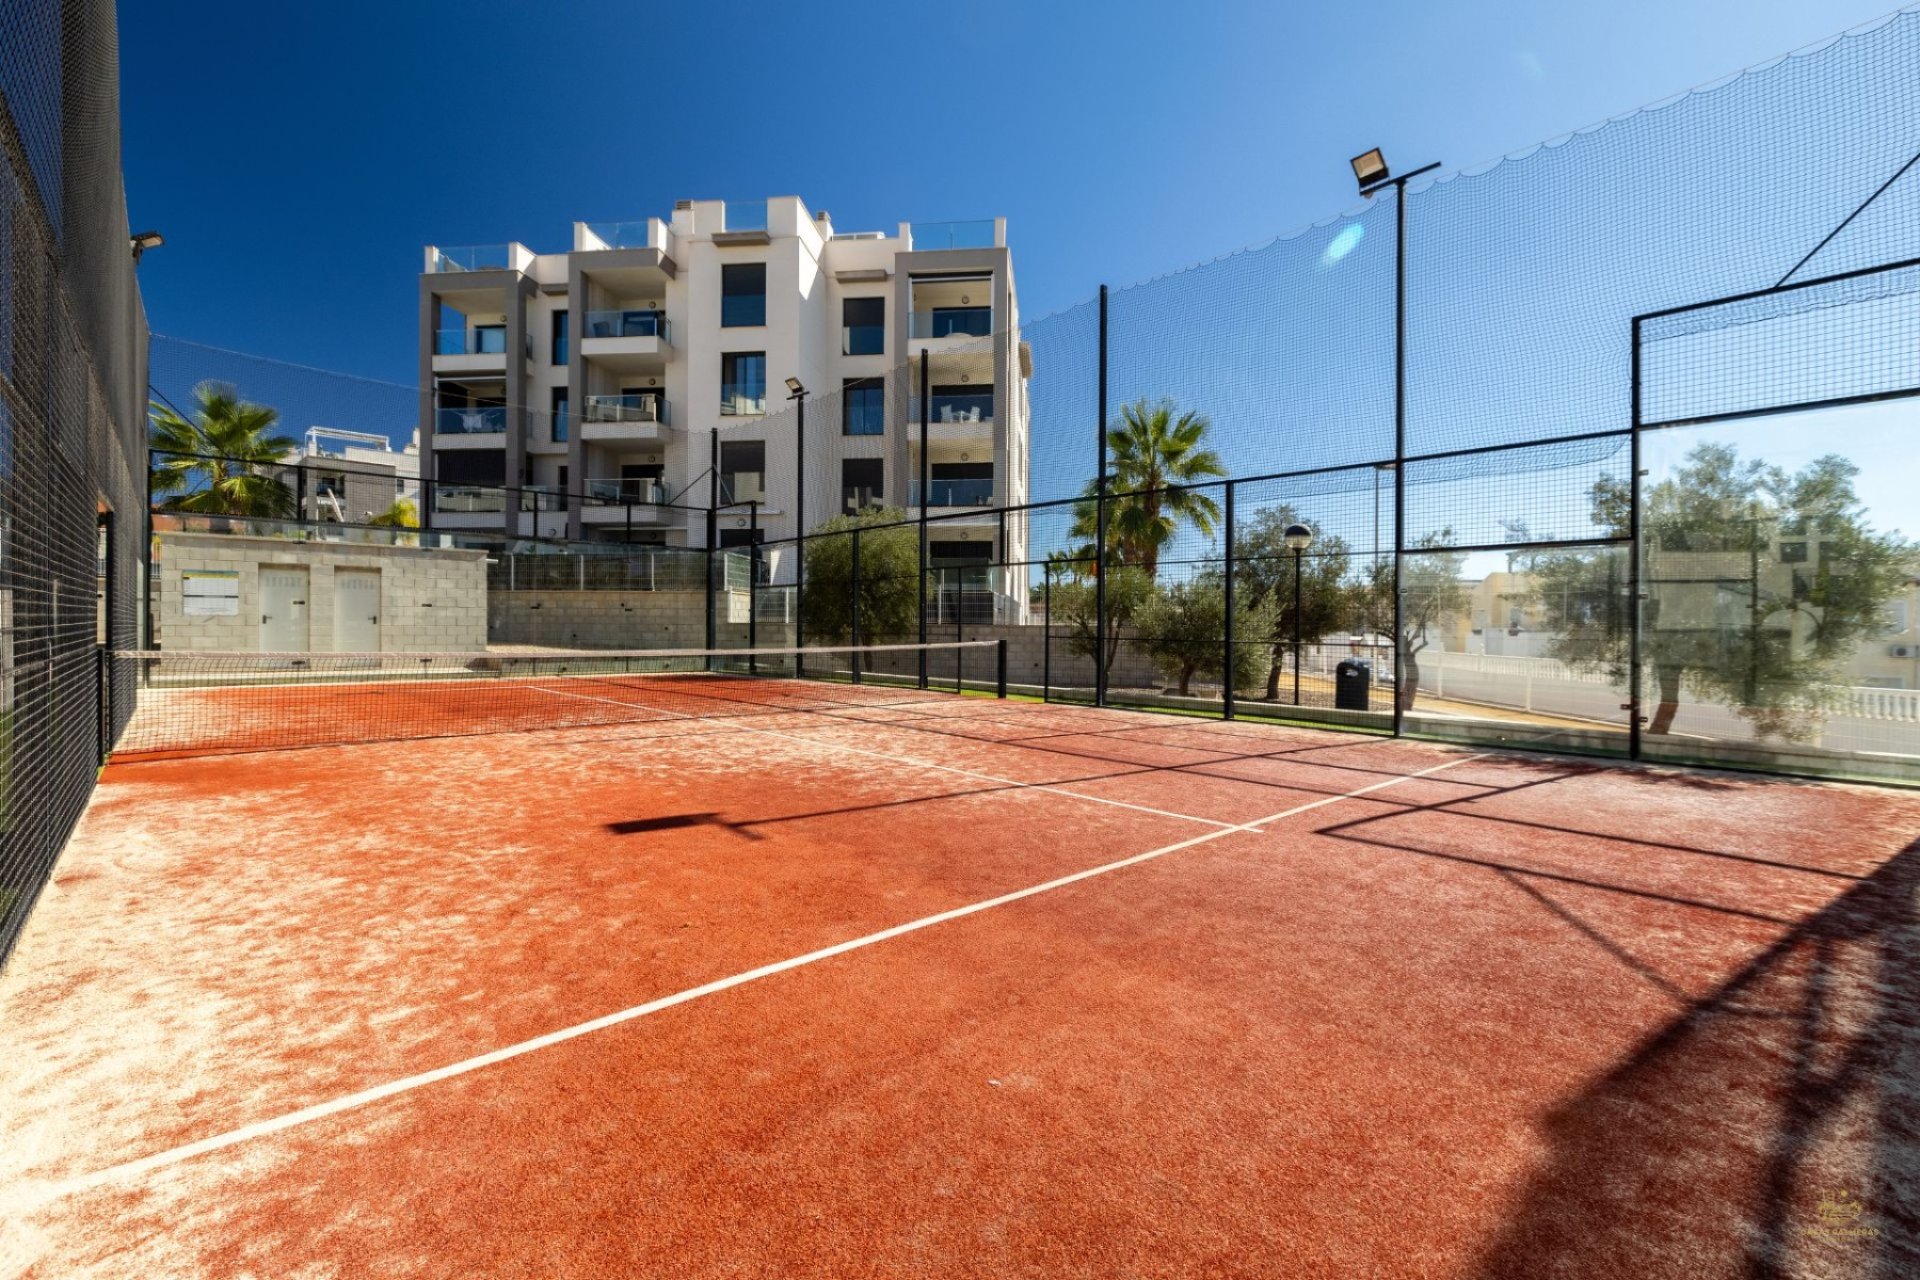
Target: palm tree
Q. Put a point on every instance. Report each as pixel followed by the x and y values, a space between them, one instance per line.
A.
pixel 212 463
pixel 1154 451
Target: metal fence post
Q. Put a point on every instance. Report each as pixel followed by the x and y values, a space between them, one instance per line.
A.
pixel 1399 453
pixel 1226 680
pixel 1634 611
pixel 926 482
pixel 1000 667
pixel 1100 527
pixel 1046 633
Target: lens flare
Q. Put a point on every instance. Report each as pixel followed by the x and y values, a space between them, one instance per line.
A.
pixel 1343 244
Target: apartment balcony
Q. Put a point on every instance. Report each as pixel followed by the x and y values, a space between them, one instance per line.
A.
pixel 473 258
pixel 624 419
pixel 953 493
pixel 543 497
pixel 472 349
pixel 981 233
pixel 638 503
pixel 468 499
pixel 472 428
pixel 954 419
pixel 628 341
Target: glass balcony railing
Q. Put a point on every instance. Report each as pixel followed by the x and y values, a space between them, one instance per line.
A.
pixel 470 422
pixel 543 497
pixel 952 322
pixel 737 399
pixel 746 215
pixel 459 499
pixel 626 235
pixel 953 493
pixel 977 234
pixel 971 407
pixel 627 492
pixel 626 324
pixel 473 257
pixel 627 408
pixel 743 486
pixel 479 341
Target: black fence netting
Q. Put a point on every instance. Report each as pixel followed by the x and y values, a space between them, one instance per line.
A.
pixel 72 397
pixel 1535 452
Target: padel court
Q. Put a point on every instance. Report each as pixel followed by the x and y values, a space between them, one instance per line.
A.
pixel 598 972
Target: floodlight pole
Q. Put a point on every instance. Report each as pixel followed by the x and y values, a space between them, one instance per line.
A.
pixel 799 399
pixel 1100 528
pixel 1399 186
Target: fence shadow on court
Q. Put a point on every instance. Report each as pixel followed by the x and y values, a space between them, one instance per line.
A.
pixel 1815 1040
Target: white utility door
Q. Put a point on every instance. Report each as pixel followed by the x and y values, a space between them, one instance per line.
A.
pixel 356 610
pixel 283 609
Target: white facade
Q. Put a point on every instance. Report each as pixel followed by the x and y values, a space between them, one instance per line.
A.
pixel 674 356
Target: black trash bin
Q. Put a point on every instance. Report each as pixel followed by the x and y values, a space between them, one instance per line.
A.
pixel 1351 681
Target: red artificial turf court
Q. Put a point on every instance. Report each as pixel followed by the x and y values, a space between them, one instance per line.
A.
pixel 878 983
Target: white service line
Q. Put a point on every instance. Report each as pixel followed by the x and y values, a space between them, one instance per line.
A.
pixel 893 759
pixel 306 1115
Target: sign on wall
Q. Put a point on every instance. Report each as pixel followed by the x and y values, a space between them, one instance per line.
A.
pixel 210 592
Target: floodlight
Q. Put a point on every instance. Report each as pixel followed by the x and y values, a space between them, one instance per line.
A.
pixel 1370 170
pixel 793 385
pixel 144 241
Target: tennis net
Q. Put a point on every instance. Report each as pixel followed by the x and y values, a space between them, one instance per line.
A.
pixel 195 702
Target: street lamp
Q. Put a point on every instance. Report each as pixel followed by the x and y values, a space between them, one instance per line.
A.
pixel 1298 538
pixel 1371 172
pixel 144 241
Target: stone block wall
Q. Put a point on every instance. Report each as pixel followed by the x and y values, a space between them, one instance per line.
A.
pixel 432 599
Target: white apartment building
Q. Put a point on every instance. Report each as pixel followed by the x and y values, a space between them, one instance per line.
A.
pixel 622 388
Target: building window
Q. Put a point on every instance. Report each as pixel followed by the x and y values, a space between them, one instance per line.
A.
pixel 863 406
pixel 743 294
pixel 863 326
pixel 860 484
pixel 743 382
pixel 743 471
pixel 560 404
pixel 560 337
pixel 489 339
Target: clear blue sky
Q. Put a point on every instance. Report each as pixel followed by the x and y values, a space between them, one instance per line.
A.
pixel 297 157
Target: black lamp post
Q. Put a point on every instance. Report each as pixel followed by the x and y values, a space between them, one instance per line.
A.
pixel 1298 538
pixel 1370 171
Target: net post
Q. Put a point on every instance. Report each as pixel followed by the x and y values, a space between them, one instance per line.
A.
pixel 753 586
pixel 853 606
pixel 799 535
pixel 1000 667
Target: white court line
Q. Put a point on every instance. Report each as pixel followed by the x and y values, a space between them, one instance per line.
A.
pixel 893 759
pixel 306 1115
